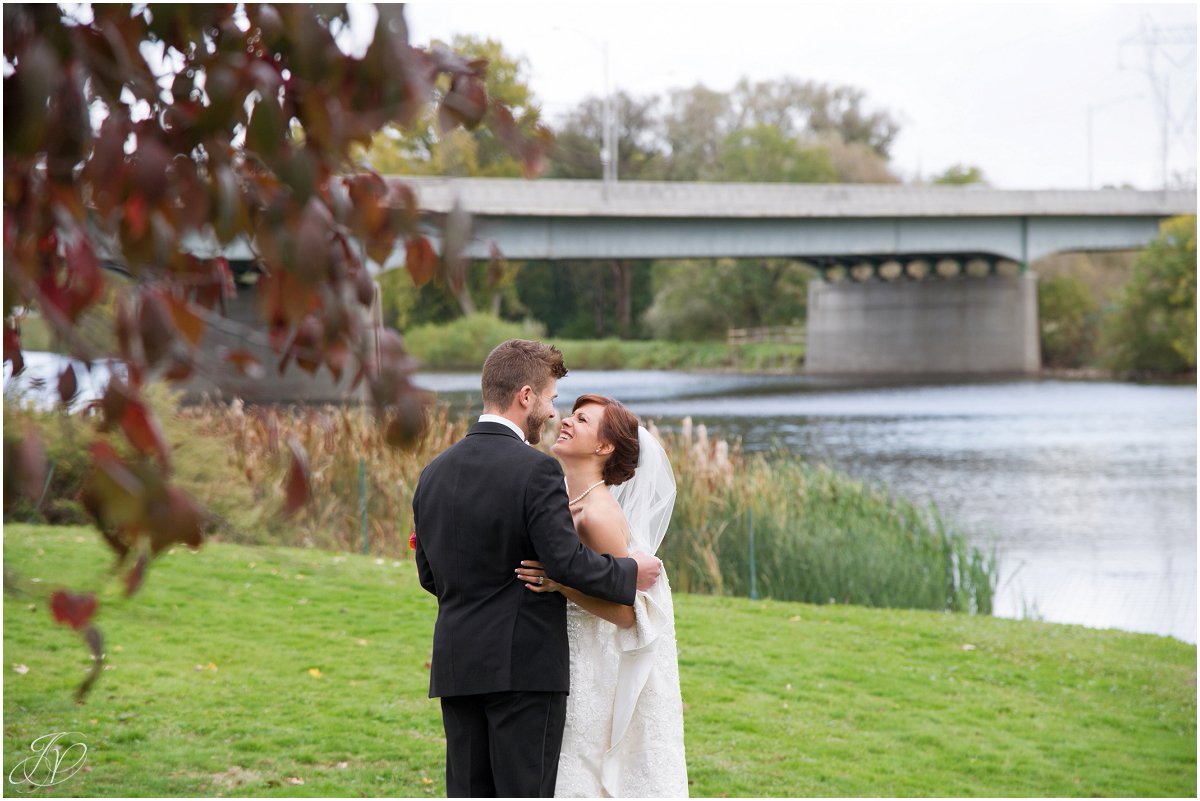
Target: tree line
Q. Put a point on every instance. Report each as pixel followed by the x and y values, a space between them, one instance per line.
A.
pixel 783 130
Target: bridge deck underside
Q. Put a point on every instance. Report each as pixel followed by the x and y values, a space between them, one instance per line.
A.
pixel 1019 239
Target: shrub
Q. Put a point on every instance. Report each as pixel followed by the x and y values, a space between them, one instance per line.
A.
pixel 464 343
pixel 1069 320
pixel 819 536
pixel 1153 327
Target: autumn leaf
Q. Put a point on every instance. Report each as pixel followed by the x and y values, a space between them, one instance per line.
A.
pixel 142 430
pixel 172 517
pixel 187 322
pixel 12 349
pixel 68 385
pixel 95 644
pixel 155 326
pixel 25 467
pixel 136 575
pixel 420 259
pixel 245 363
pixel 112 493
pixel 73 609
pixel 299 479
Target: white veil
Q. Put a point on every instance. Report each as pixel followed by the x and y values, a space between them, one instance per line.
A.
pixel 648 498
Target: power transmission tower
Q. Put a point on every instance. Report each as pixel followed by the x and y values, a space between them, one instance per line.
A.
pixel 1168 52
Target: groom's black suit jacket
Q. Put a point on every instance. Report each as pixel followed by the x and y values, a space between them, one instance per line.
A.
pixel 482 506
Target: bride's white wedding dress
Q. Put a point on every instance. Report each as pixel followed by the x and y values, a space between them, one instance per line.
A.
pixel 624 728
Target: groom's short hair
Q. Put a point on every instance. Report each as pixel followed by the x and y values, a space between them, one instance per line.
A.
pixel 515 363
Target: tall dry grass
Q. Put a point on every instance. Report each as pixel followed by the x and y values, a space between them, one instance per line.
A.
pixel 351 466
pixel 819 536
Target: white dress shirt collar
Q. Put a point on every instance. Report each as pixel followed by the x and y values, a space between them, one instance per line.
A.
pixel 495 418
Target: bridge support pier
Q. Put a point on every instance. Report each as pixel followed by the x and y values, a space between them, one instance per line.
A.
pixel 964 325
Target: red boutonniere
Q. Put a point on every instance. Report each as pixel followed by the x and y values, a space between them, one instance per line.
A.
pixel 412 541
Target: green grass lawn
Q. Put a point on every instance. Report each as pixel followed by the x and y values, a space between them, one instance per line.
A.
pixel 275 671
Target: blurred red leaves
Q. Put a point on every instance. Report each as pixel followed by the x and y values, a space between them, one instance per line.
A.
pixel 187 322
pixel 133 504
pixel 24 466
pixel 420 259
pixel 136 575
pixel 246 139
pixel 124 409
pixel 73 609
pixel 298 484
pixel 245 362
pixel 12 348
pixel 77 610
pixel 74 281
pixel 68 385
pixel 465 103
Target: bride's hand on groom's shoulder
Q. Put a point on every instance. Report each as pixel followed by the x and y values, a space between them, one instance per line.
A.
pixel 535 578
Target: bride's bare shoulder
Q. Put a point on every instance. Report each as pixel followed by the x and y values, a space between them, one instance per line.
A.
pixel 603 527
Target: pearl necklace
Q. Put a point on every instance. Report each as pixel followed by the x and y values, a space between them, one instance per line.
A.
pixel 584 494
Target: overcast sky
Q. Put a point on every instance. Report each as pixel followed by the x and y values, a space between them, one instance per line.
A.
pixel 1004 87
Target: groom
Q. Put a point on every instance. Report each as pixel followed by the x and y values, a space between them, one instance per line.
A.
pixel 500 659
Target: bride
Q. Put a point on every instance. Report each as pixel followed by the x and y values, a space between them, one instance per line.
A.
pixel 624 727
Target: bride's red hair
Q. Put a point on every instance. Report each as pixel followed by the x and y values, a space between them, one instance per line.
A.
pixel 618 427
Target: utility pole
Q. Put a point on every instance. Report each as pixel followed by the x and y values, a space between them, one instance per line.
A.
pixel 608 127
pixel 1157 42
pixel 608 157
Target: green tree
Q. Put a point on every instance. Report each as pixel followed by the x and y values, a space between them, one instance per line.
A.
pixel 426 149
pixel 587 299
pixel 799 108
pixel 1153 327
pixel 960 175
pixel 695 124
pixel 1068 316
pixel 698 299
pixel 578 140
pixel 764 154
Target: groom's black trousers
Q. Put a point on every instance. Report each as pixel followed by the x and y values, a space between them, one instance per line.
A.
pixel 503 744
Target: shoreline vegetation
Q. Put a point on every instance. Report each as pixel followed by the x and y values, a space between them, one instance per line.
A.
pixel 464 343
pixel 268 671
pixel 819 536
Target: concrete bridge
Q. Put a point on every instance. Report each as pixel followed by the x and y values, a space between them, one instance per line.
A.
pixel 914 279
pixel 939 274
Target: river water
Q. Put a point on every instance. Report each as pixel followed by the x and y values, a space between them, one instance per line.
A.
pixel 1086 489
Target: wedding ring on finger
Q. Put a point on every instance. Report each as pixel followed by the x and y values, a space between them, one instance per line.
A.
pixel 541 580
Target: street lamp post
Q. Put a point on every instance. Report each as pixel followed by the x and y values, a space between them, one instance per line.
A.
pixel 608 131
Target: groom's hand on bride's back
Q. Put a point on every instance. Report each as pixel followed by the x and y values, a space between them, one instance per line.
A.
pixel 648 567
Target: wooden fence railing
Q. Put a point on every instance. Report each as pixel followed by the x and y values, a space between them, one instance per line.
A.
pixel 782 334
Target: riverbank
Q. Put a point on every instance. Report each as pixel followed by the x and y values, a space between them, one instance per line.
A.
pixel 259 671
pixel 820 535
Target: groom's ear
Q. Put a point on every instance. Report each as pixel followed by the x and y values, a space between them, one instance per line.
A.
pixel 525 395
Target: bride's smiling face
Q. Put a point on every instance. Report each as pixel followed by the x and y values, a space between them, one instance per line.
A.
pixel 580 435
